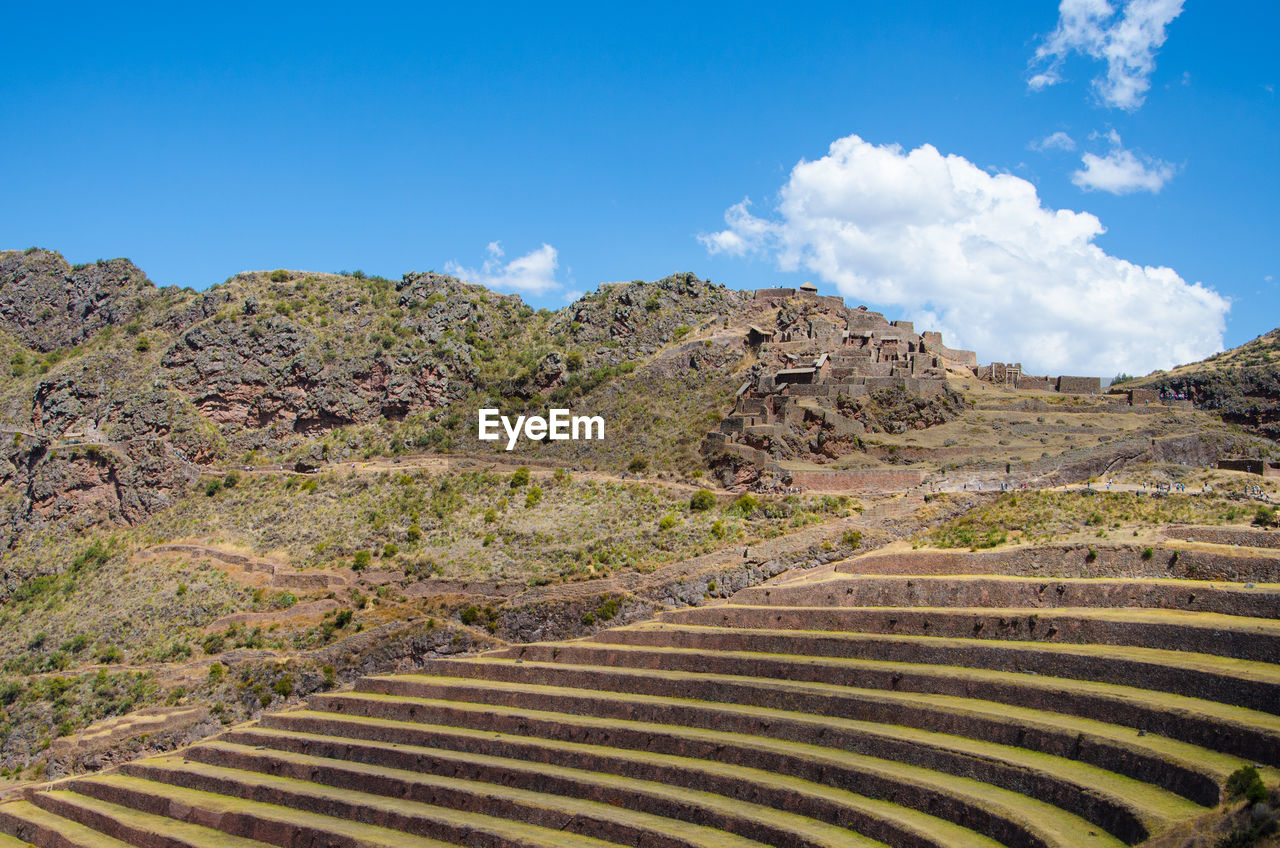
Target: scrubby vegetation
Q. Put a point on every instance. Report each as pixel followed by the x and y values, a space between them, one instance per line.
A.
pixel 1045 515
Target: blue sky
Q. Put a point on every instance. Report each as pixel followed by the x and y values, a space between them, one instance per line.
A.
pixel 546 148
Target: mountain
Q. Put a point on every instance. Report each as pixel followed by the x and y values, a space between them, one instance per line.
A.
pixel 1242 384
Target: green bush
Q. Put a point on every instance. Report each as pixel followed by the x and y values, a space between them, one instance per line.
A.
pixel 533 498
pixel 667 522
pixel 520 477
pixel 1245 781
pixel 279 276
pixel 1147 553
pixel 744 504
pixel 213 487
pixel 851 538
pixel 638 465
pixel 1266 517
pixel 389 550
pixel 702 500
pixel 361 560
pixel 470 615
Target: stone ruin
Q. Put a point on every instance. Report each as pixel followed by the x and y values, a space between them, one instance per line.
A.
pixel 1010 374
pixel 826 350
pixel 813 350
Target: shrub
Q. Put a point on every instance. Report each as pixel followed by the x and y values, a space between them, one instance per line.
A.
pixel 342 619
pixel 851 538
pixel 213 487
pixel 638 465
pixel 389 550
pixel 533 498
pixel 490 515
pixel 470 615
pixel 1147 553
pixel 520 477
pixel 279 276
pixel 1245 781
pixel 285 600
pixel 232 478
pixel 573 360
pixel 330 677
pixel 1266 517
pixel 1091 556
pixel 216 673
pixel 110 654
pixel 361 560
pixel 717 529
pixel 744 504
pixel 702 500
pixel 667 522
pixel 284 686
pixel 143 344
pixel 608 608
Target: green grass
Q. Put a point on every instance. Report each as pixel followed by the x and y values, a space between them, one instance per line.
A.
pixel 1046 515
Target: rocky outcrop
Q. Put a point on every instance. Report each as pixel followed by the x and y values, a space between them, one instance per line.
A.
pixel 49 304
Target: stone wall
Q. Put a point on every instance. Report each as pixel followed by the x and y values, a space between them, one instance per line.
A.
pixel 1074 561
pixel 1241 536
pixel 857 480
pixel 1079 385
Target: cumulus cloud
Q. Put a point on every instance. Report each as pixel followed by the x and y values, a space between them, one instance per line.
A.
pixel 1122 171
pixel 1056 141
pixel 533 273
pixel 978 256
pixel 1126 39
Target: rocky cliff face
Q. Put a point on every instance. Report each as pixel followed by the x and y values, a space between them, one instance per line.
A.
pixel 117 393
pixel 49 304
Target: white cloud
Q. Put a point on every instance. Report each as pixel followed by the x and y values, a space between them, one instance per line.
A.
pixel 1127 40
pixel 979 257
pixel 1056 141
pixel 1122 171
pixel 533 273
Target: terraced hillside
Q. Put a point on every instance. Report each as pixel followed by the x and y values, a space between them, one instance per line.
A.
pixel 828 708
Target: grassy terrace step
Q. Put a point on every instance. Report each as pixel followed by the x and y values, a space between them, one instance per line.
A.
pixel 1243 683
pixel 32 825
pixel 1256 639
pixel 619 809
pixel 1007 817
pixel 1220 726
pixel 1123 805
pixel 965 590
pixel 650 778
pixel 134 826
pixel 286 826
pixel 7 841
pixel 1191 770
